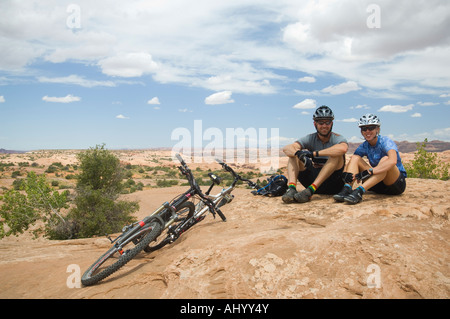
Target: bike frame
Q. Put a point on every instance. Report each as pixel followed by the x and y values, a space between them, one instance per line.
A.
pixel 166 213
pixel 146 231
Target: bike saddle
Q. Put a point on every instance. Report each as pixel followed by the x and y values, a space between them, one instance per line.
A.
pixel 215 179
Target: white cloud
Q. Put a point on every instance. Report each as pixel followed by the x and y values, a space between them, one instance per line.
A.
pixel 444 95
pixel 396 108
pixel 128 65
pixel 231 45
pixel 313 92
pixel 360 106
pixel 427 103
pixel 416 115
pixel 223 97
pixel 154 101
pixel 307 79
pixel 342 88
pixel 377 59
pixel 66 99
pixel 443 134
pixel 122 117
pixel 306 104
pixel 349 120
pixel 2 99
pixel 338 89
pixel 76 80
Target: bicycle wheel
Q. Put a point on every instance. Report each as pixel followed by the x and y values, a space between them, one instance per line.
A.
pixel 186 210
pixel 114 258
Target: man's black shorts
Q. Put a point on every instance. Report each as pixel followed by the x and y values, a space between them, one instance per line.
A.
pixel 331 186
pixel 395 189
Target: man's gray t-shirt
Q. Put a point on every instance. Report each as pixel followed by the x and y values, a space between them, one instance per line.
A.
pixel 312 143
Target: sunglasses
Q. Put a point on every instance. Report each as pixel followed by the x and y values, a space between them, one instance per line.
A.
pixel 370 128
pixel 324 122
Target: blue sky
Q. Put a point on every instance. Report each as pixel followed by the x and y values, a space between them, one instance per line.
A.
pixel 74 74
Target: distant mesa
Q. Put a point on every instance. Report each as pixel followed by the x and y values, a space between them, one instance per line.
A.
pixel 410 147
pixel 403 147
pixel 3 151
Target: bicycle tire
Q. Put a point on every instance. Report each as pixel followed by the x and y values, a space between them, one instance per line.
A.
pixel 189 208
pixel 90 277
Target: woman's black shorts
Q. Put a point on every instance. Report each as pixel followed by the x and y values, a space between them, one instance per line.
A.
pixel 395 189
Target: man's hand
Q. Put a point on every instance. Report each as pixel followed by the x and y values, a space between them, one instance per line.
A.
pixel 303 153
pixel 305 157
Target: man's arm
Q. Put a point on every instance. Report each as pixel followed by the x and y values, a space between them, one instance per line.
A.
pixel 335 150
pixel 291 149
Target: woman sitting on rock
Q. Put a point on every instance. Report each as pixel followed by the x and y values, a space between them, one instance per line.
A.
pixel 384 175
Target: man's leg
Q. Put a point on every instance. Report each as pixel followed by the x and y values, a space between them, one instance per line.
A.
pixel 333 164
pixel 294 166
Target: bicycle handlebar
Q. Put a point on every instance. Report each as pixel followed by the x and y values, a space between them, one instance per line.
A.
pixel 236 176
pixel 186 171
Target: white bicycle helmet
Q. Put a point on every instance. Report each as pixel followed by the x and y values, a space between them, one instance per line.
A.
pixel 369 119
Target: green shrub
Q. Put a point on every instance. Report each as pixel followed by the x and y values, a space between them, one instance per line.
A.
pixel 15 174
pixel 30 202
pixel 427 164
pixel 166 183
pixel 97 209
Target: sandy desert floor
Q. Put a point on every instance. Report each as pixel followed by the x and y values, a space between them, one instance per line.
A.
pixel 384 247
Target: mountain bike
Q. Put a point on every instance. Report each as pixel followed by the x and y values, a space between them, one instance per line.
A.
pixel 166 224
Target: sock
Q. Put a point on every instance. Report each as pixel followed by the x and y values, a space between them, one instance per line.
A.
pixel 312 188
pixel 362 188
pixel 292 185
pixel 348 185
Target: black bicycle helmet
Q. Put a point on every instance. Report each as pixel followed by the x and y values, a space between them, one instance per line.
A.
pixel 323 112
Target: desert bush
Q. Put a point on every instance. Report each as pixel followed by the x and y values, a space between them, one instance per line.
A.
pixel 29 202
pixel 15 174
pixel 166 183
pixel 97 210
pixel 427 164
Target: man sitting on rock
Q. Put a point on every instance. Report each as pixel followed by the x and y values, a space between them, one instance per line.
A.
pixel 316 160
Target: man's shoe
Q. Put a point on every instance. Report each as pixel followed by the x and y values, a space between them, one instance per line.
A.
pixel 354 197
pixel 288 197
pixel 339 197
pixel 303 196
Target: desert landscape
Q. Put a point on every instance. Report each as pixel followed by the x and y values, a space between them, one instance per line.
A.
pixel 385 247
